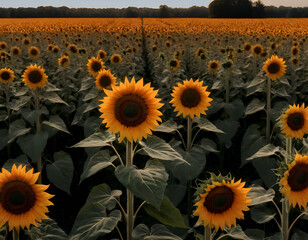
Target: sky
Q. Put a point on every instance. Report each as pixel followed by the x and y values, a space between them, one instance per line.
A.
pixel 133 3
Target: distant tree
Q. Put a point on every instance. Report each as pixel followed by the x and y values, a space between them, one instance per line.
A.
pixel 164 11
pixel 258 9
pixel 131 12
pixel 230 9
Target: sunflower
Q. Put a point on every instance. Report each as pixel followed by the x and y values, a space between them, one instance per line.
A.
pixel 116 59
pixel 257 49
pixel 26 41
pixel 294 51
pixel 131 109
pixel 64 61
pixel 295 182
pixel 34 52
pixel 190 98
pixel 22 202
pixel 73 48
pixel 295 121
pixel 199 51
pixel 15 51
pixel 274 67
pixel 295 61
pixel 213 66
pixel 222 203
pixel 174 64
pixel 6 75
pixel 273 45
pixel 101 54
pixel 56 49
pixel 105 79
pixel 94 66
pixel 3 45
pixel 34 77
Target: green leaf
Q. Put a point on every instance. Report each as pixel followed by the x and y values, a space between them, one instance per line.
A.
pixel 208 145
pixel 205 124
pixel 102 194
pixel 17 128
pixel 158 232
pixel 148 184
pixel 97 139
pixel 61 171
pixel 46 230
pixel 32 115
pixel 20 160
pixel 3 138
pixel 15 105
pixel 57 123
pixel 33 144
pixel 157 148
pixel 235 232
pixel 299 235
pixel 196 158
pixel 230 128
pixel 93 93
pixel 260 78
pixel 254 106
pixel 54 98
pixel 255 234
pixel 267 150
pixel 261 214
pixel 92 222
pixel 259 195
pixel 93 104
pixel 168 214
pixel 168 127
pixel 97 162
pixel 51 88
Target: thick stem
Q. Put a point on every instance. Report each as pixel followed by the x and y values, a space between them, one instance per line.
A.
pixel 130 195
pixel 268 111
pixel 227 86
pixel 15 234
pixel 189 133
pixel 38 129
pixel 189 183
pixel 207 233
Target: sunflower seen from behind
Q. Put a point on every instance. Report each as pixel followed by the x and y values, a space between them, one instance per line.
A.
pixel 6 75
pixel 222 203
pixel 131 109
pixel 295 121
pixel 94 65
pixel 190 98
pixel 295 182
pixel 34 76
pixel 105 79
pixel 22 202
pixel 274 67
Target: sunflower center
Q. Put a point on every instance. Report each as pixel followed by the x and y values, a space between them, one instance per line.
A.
pixel 33 52
pixel 131 110
pixel 190 98
pixel 15 51
pixel 214 65
pixel 5 75
pixel 273 68
pixel 295 121
pixel 219 199
pixel 104 81
pixel 298 177
pixel 247 47
pixel 35 76
pixel 257 50
pixel 96 66
pixel 173 63
pixel 116 59
pixel 63 61
pixel 17 197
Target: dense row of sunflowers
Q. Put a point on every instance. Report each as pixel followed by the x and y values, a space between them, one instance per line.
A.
pixel 55 75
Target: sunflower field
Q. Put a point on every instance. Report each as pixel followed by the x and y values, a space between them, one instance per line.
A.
pixel 152 129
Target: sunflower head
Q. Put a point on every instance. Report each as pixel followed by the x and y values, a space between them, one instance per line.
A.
pixel 34 52
pixel 22 202
pixel 190 98
pixel 213 66
pixel 116 59
pixel 199 51
pixel 101 54
pixel 295 121
pixel 295 182
pixel 64 61
pixel 295 61
pixel 3 45
pixel 222 202
pixel 295 51
pixel 174 64
pixel 73 48
pixel 6 75
pixel 94 66
pixel 274 67
pixel 26 41
pixel 257 49
pixel 105 79
pixel 131 109
pixel 34 76
pixel 15 51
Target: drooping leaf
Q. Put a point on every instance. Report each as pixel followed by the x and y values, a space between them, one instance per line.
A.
pixel 229 127
pixel 20 160
pixel 259 195
pixel 267 150
pixel 255 234
pixel 57 123
pixel 158 232
pixel 208 145
pixel 17 128
pixel 92 222
pixel 33 144
pixel 97 139
pixel 168 127
pixel 205 124
pixel 254 106
pixel 261 214
pixel 235 232
pixel 167 214
pixel 97 162
pixel 299 235
pixel 32 115
pixel 54 98
pixel 61 171
pixel 148 184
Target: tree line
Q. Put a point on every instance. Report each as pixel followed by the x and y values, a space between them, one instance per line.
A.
pixel 216 9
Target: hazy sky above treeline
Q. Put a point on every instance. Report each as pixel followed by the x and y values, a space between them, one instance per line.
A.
pixel 134 3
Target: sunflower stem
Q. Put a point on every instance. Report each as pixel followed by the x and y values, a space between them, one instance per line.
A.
pixel 268 111
pixel 189 183
pixel 207 233
pixel 130 195
pixel 38 129
pixel 15 234
pixel 7 98
pixel 227 86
